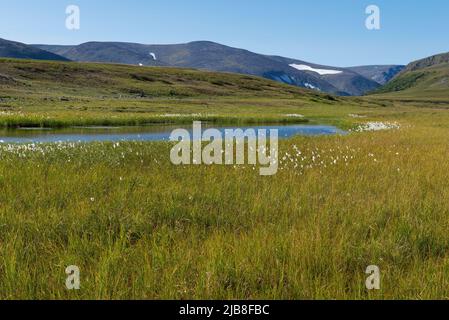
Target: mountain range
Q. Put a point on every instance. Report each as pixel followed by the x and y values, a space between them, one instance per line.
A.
pixel 206 55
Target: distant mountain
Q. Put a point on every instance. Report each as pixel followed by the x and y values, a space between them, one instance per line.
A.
pixel 425 78
pixel 345 80
pixel 11 49
pixel 216 57
pixel 381 74
pixel 108 52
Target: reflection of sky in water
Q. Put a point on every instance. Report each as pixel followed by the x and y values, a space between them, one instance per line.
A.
pixel 147 133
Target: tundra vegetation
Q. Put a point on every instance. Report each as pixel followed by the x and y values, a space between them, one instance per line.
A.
pixel 139 227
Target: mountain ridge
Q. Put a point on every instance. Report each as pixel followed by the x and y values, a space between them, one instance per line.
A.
pixel 426 78
pixel 213 56
pixel 13 49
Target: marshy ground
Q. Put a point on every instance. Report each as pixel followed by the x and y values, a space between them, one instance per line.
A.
pixel 140 227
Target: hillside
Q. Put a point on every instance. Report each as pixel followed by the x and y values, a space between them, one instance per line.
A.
pixel 113 79
pixel 212 56
pixel 423 79
pixel 43 93
pixel 428 62
pixel 11 49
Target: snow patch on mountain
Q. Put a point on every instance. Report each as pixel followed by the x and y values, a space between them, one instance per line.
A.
pixel 322 72
pixel 153 55
pixel 311 86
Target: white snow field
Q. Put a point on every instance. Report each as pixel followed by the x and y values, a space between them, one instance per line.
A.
pixel 322 72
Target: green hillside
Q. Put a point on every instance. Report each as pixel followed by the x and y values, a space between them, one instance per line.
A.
pixel 110 79
pixel 43 93
pixel 426 79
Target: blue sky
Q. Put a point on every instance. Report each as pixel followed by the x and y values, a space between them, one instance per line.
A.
pixel 330 32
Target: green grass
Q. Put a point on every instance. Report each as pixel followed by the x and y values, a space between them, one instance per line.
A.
pixel 58 94
pixel 404 82
pixel 141 228
pixel 138 227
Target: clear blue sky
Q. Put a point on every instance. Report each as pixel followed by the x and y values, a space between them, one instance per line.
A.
pixel 330 32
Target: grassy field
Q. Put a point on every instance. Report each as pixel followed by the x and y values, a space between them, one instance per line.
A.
pixel 55 94
pixel 140 227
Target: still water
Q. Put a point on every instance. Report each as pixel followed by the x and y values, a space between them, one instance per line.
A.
pixel 145 133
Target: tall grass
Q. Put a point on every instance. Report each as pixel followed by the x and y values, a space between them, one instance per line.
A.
pixel 139 227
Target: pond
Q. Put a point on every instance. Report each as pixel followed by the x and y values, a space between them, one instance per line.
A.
pixel 145 133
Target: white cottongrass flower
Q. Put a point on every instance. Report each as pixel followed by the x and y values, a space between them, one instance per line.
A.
pixel 377 126
pixel 294 115
pixel 356 116
pixel 179 115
